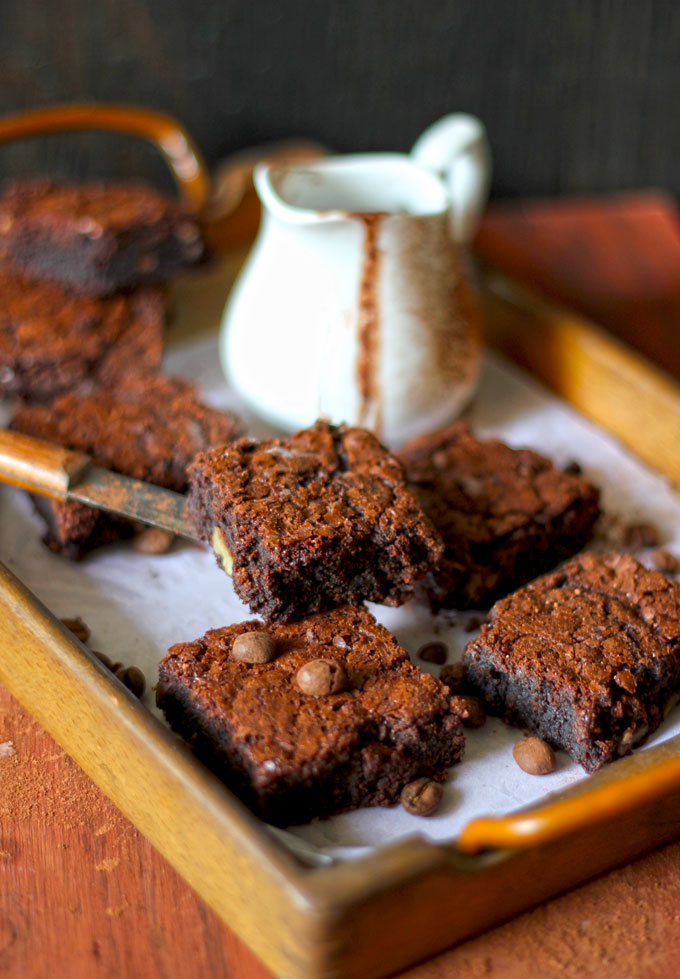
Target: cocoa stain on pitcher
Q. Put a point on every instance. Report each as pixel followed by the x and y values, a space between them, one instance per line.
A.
pixel 368 325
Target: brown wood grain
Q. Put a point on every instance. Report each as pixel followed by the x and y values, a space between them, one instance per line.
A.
pixel 615 259
pixel 83 894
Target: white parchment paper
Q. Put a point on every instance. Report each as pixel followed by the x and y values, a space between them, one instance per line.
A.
pixel 137 606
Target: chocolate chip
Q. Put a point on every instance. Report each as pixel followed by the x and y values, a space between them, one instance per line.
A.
pixel 321 677
pixel 641 535
pixel 79 628
pixel 453 676
pixel 253 647
pixel 133 678
pixel 470 709
pixel 187 232
pixel 422 797
pixel 153 540
pixel 665 561
pixel 103 658
pixel 433 652
pixel 470 625
pixel 574 468
pixel 534 756
pixel 146 264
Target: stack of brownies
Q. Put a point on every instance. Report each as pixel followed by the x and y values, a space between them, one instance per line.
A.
pixel 82 269
pixel 314 708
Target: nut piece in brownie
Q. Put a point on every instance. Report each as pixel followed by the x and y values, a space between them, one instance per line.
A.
pixel 320 519
pixel 506 515
pixel 147 426
pixel 95 238
pixel 52 340
pixel 587 657
pixel 292 741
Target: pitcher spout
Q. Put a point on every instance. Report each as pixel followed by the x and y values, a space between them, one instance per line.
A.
pixel 335 189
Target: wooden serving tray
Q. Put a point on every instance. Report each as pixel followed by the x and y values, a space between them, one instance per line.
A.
pixel 340 920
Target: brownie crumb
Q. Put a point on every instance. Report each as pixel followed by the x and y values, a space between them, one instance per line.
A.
pixel 665 561
pixel 641 535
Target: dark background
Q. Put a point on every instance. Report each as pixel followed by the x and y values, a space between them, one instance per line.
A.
pixel 577 95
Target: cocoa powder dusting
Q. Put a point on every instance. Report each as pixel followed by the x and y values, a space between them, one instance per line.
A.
pixel 367 359
pixel 36 785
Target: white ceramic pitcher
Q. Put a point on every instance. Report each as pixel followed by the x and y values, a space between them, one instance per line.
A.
pixel 353 305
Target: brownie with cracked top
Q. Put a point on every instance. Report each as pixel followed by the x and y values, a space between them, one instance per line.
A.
pixel 319 519
pixel 506 515
pixel 587 657
pixel 292 755
pixel 147 426
pixel 95 238
pixel 53 340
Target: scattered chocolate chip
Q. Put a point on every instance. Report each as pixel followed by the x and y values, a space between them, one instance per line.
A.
pixel 470 625
pixel 114 666
pixel 453 676
pixel 534 756
pixel 253 647
pixel 146 264
pixel 79 628
pixel 103 658
pixel 665 561
pixel 321 677
pixel 153 540
pixel 422 797
pixel 134 680
pixel 470 709
pixel 641 535
pixel 574 468
pixel 433 652
pixel 187 232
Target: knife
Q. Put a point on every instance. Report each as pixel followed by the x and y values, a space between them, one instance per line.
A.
pixel 72 477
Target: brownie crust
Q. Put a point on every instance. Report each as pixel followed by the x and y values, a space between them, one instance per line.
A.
pixel 320 519
pixel 95 238
pixel 291 756
pixel 505 515
pixel 52 340
pixel 149 427
pixel 587 657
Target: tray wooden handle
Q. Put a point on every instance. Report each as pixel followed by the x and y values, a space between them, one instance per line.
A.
pixel 38 466
pixel 557 819
pixel 166 133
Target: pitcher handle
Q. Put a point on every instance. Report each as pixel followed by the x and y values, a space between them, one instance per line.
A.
pixel 456 148
pixel 166 133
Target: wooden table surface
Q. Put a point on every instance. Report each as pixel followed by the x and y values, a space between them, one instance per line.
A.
pixel 83 895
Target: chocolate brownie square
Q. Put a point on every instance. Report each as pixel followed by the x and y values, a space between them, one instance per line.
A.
pixel 506 515
pixel 147 426
pixel 95 238
pixel 587 657
pixel 293 750
pixel 52 340
pixel 320 519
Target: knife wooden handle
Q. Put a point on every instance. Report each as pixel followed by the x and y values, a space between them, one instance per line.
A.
pixel 39 466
